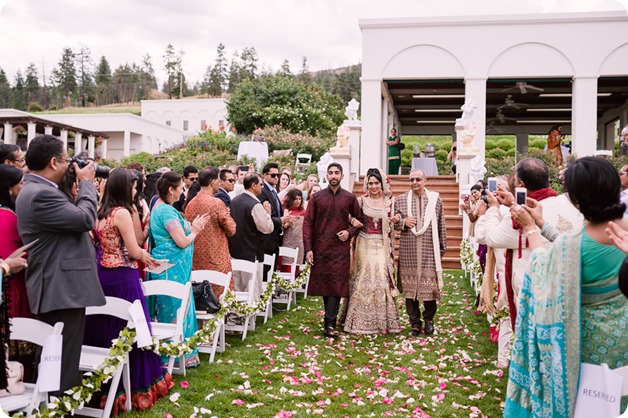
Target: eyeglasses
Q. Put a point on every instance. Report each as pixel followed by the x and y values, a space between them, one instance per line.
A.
pixel 623 173
pixel 416 180
pixel 230 180
pixel 193 178
pixel 67 160
pixel 274 175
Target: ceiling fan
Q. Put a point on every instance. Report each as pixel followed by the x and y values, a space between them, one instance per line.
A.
pixel 501 118
pixel 510 103
pixel 494 129
pixel 523 87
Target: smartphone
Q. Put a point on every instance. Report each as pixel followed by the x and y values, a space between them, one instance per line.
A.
pixel 244 168
pixel 492 184
pixel 521 194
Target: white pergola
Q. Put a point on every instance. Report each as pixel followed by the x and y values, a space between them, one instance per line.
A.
pixel 580 47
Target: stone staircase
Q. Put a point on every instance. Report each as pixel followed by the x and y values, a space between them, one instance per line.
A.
pixel 448 189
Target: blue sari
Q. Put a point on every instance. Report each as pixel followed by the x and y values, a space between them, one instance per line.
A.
pixel 563 313
pixel 165 218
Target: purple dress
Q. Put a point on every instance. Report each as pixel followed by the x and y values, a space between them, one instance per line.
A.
pixel 119 277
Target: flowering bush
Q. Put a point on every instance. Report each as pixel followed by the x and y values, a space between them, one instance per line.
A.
pixel 279 138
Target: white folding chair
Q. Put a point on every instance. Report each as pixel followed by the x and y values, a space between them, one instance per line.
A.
pixel 218 338
pixel 249 296
pixel 36 332
pixel 172 331
pixel 302 289
pixel 623 371
pixel 269 260
pixel 302 163
pixel 92 357
pixel 288 276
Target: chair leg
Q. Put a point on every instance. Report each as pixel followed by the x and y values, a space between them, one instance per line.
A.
pixel 171 365
pixel 215 339
pixel 126 376
pixel 111 396
pixel 246 328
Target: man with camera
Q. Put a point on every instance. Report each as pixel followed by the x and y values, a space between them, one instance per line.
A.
pixel 61 277
pixel 531 182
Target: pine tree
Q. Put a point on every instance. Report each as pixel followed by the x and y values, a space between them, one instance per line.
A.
pixel 284 71
pixel 32 84
pixel 172 63
pixel 218 76
pixel 148 79
pixel 104 88
pixel 235 72
pixel 5 90
pixel 64 77
pixel 249 64
pixel 18 92
pixel 304 75
pixel 84 64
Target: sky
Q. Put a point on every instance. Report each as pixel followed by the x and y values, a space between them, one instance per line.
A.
pixel 327 32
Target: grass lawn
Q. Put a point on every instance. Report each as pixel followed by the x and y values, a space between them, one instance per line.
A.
pixel 287 367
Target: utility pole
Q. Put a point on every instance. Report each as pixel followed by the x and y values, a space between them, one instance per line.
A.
pixel 180 84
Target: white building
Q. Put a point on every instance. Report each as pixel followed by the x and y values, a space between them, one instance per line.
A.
pixel 525 73
pixel 127 134
pixel 189 115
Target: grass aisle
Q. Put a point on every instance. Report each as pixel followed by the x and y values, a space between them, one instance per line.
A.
pixel 286 368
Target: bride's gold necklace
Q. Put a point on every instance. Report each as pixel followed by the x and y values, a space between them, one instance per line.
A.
pixel 376 220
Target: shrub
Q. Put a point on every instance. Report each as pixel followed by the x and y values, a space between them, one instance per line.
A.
pixel 490 145
pixel 537 143
pixel 441 155
pixel 496 153
pixel 506 144
pixel 279 138
pixel 34 107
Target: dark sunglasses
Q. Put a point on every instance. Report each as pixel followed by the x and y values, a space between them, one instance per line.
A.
pixel 274 175
pixel 193 178
pixel 230 180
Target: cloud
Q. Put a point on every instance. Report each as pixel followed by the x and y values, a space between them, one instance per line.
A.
pixel 326 31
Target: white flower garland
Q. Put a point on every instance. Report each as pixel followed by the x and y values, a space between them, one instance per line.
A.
pixel 76 397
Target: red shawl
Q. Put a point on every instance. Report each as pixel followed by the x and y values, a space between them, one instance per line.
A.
pixel 538 195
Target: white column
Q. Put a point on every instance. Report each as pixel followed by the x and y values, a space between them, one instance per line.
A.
pixel 8 133
pixel 522 142
pixel 475 89
pixel 64 138
pixel 355 131
pixel 78 143
pixel 103 149
pixel 91 146
pixel 32 132
pixel 127 144
pixel 48 130
pixel 372 145
pixel 584 116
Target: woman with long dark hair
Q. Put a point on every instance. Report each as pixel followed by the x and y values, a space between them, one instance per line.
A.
pixel 571 309
pixel 293 225
pixel 372 291
pixel 119 277
pixel 173 240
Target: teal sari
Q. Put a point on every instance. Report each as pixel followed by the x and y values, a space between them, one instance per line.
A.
pixel 571 311
pixel 165 218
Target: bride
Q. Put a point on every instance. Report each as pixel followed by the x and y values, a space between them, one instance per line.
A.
pixel 371 306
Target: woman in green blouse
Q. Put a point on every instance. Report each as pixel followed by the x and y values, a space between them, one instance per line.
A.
pixel 394 153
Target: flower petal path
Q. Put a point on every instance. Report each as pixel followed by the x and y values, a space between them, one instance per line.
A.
pixel 286 368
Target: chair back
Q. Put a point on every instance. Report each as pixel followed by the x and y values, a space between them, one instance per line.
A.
pixel 290 253
pixel 113 307
pixel 172 289
pixel 213 277
pixel 269 260
pixel 623 371
pixel 304 158
pixel 32 330
pixel 245 266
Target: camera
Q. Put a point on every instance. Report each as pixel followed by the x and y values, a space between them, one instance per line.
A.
pixel 102 171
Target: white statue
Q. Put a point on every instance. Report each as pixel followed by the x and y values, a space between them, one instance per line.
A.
pixel 342 136
pixel 477 170
pixel 321 166
pixel 352 110
pixel 466 128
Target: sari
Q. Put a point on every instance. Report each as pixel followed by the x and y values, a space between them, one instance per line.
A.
pixel 165 218
pixel 564 313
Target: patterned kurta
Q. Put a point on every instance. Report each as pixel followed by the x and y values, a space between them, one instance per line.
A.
pixel 327 214
pixel 211 248
pixel 417 264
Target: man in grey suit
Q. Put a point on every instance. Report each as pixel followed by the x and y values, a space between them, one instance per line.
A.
pixel 61 277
